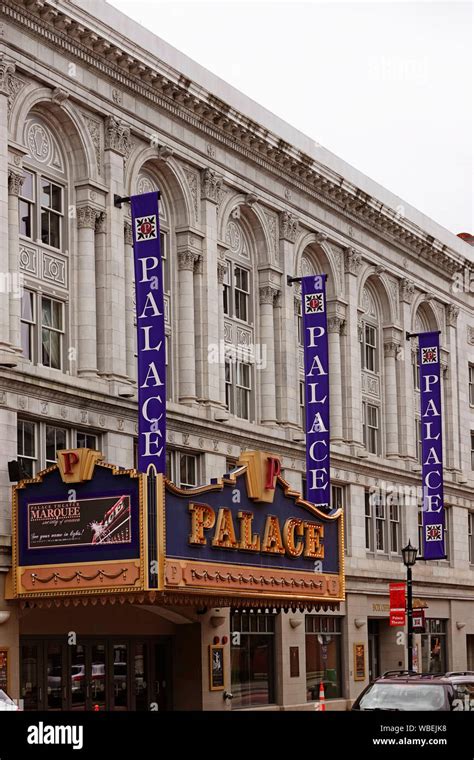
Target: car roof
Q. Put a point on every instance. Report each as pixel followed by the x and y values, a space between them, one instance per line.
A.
pixel 406 677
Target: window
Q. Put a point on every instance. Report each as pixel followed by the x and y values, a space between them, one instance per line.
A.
pixel 299 321
pixel 470 536
pixel 55 440
pixel 380 518
pixel 382 523
pixel 369 542
pixel 370 425
pixel 51 332
pixel 182 469
pixel 237 292
pixel 415 363
pixel 394 510
pixel 28 322
pixel 369 358
pixel 302 405
pixel 86 441
pixel 51 213
pixel 26 205
pixel 471 384
pixel 418 439
pixel 472 450
pixel 26 446
pixel 252 659
pixel 337 497
pixel 323 657
pixel 433 647
pixel 230 464
pixel 238 388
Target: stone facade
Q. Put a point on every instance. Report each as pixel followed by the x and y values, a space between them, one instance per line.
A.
pixel 246 202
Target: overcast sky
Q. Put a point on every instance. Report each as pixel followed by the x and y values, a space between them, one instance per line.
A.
pixel 387 86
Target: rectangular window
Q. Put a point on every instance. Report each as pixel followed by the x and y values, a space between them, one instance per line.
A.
pixel 252 659
pixel 370 427
pixel 418 440
pixel 27 324
pixel 56 439
pixel 27 447
pixel 52 332
pixel 472 450
pixel 229 395
pixel 471 384
pixel 302 405
pixel 241 293
pixel 188 477
pixel 416 369
pixel 380 523
pixel 165 262
pixel 26 206
pixel 433 646
pixel 227 290
pixel 394 528
pixel 243 391
pixel 470 536
pixel 369 540
pixel 299 322
pixel 51 213
pixel 369 348
pixel 323 657
pixel 87 441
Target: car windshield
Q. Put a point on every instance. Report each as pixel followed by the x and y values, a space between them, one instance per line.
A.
pixel 402 696
pixel 5 698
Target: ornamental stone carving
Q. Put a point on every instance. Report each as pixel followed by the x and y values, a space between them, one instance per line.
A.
pixel 186 260
pixel 117 136
pixel 268 294
pixel 288 226
pixel 101 222
pixel 198 264
pixel 335 325
pixel 7 67
pixel 15 85
pixel 452 313
pixel 15 181
pixel 59 96
pixel 407 290
pixel 86 217
pixel 221 272
pixel 127 233
pixel 390 349
pixel 95 131
pixel 352 261
pixel 470 335
pixel 211 185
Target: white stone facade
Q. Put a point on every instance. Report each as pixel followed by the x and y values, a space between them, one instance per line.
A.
pixel 87 105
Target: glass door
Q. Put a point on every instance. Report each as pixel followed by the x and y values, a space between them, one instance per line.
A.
pixel 120 677
pixel 55 675
pixel 140 686
pixel 77 677
pixel 31 668
pixel 97 676
pixel 160 687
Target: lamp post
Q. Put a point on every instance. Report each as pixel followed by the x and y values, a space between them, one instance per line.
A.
pixel 409 558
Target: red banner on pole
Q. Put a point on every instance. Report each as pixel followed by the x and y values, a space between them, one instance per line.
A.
pixel 397 604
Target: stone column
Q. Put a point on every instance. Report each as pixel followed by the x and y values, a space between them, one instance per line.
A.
pixel 406 395
pixel 288 398
pixel 15 181
pixel 86 303
pixel 211 188
pixel 390 406
pixel 6 68
pixel 186 348
pixel 201 351
pixel 268 294
pixel 335 326
pixel 100 285
pixel 451 415
pixel 117 144
pixel 221 272
pixel 130 328
pixel 352 398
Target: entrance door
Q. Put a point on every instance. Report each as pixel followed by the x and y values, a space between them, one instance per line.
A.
pixel 374 658
pixel 87 676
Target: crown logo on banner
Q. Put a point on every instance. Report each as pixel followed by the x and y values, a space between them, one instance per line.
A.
pixel 77 465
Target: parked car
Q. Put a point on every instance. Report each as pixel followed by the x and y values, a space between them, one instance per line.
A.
pixel 6 703
pixel 404 690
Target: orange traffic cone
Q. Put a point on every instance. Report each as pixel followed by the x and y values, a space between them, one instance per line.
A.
pixel 322 698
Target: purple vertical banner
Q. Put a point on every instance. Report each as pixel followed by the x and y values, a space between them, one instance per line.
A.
pixel 316 371
pixel 151 346
pixel 431 447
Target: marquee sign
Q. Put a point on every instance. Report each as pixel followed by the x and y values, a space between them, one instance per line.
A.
pixel 151 346
pixel 227 539
pixel 80 526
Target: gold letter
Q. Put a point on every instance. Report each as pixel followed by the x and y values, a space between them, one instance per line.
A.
pixel 272 537
pixel 293 524
pixel 313 547
pixel 224 535
pixel 202 518
pixel 248 542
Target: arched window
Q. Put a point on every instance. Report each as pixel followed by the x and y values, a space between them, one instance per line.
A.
pixel 146 183
pixel 44 246
pixel 369 338
pixel 239 321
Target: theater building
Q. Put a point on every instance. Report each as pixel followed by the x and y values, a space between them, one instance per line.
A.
pixel 91 106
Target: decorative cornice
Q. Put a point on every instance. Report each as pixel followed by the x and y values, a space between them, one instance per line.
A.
pixel 117 136
pixel 87 217
pixel 452 312
pixel 15 181
pixel 127 232
pixel 288 226
pixel 211 185
pixel 407 290
pixel 193 105
pixel 352 261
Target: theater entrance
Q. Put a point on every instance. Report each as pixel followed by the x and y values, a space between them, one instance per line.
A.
pixel 95 674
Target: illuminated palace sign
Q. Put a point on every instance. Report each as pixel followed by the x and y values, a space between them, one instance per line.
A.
pixel 251 535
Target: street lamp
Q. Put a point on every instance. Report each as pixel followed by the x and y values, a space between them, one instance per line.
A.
pixel 409 558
